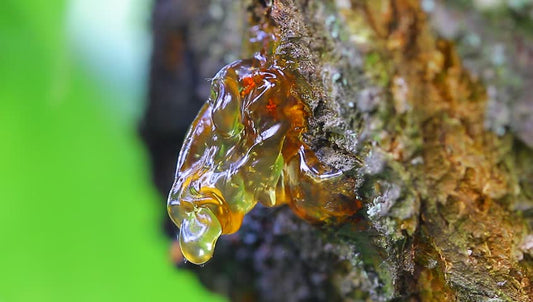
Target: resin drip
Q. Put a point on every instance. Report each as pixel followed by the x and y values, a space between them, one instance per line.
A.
pixel 245 146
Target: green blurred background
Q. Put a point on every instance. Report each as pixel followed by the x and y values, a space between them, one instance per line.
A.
pixel 79 218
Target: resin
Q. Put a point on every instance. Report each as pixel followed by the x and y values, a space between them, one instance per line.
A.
pixel 244 147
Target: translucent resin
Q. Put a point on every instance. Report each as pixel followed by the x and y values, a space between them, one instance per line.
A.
pixel 244 147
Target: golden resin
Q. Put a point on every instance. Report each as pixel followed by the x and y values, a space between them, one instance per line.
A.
pixel 245 146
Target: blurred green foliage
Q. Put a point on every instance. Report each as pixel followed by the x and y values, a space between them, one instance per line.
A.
pixel 79 219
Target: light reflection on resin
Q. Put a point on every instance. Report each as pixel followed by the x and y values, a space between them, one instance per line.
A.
pixel 245 146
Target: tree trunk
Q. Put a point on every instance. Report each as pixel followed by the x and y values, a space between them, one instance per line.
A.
pixel 433 100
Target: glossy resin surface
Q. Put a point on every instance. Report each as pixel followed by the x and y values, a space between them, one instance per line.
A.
pixel 244 147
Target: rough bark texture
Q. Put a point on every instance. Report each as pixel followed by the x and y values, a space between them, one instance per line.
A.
pixel 430 107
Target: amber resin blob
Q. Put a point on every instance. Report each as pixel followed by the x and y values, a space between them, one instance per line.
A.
pixel 245 146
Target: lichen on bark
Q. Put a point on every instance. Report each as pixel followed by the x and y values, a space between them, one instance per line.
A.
pixel 446 182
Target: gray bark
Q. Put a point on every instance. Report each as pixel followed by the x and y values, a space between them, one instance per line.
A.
pixel 440 140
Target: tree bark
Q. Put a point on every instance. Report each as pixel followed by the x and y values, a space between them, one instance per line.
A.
pixel 433 103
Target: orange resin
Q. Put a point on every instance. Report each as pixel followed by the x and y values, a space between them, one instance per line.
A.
pixel 245 146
